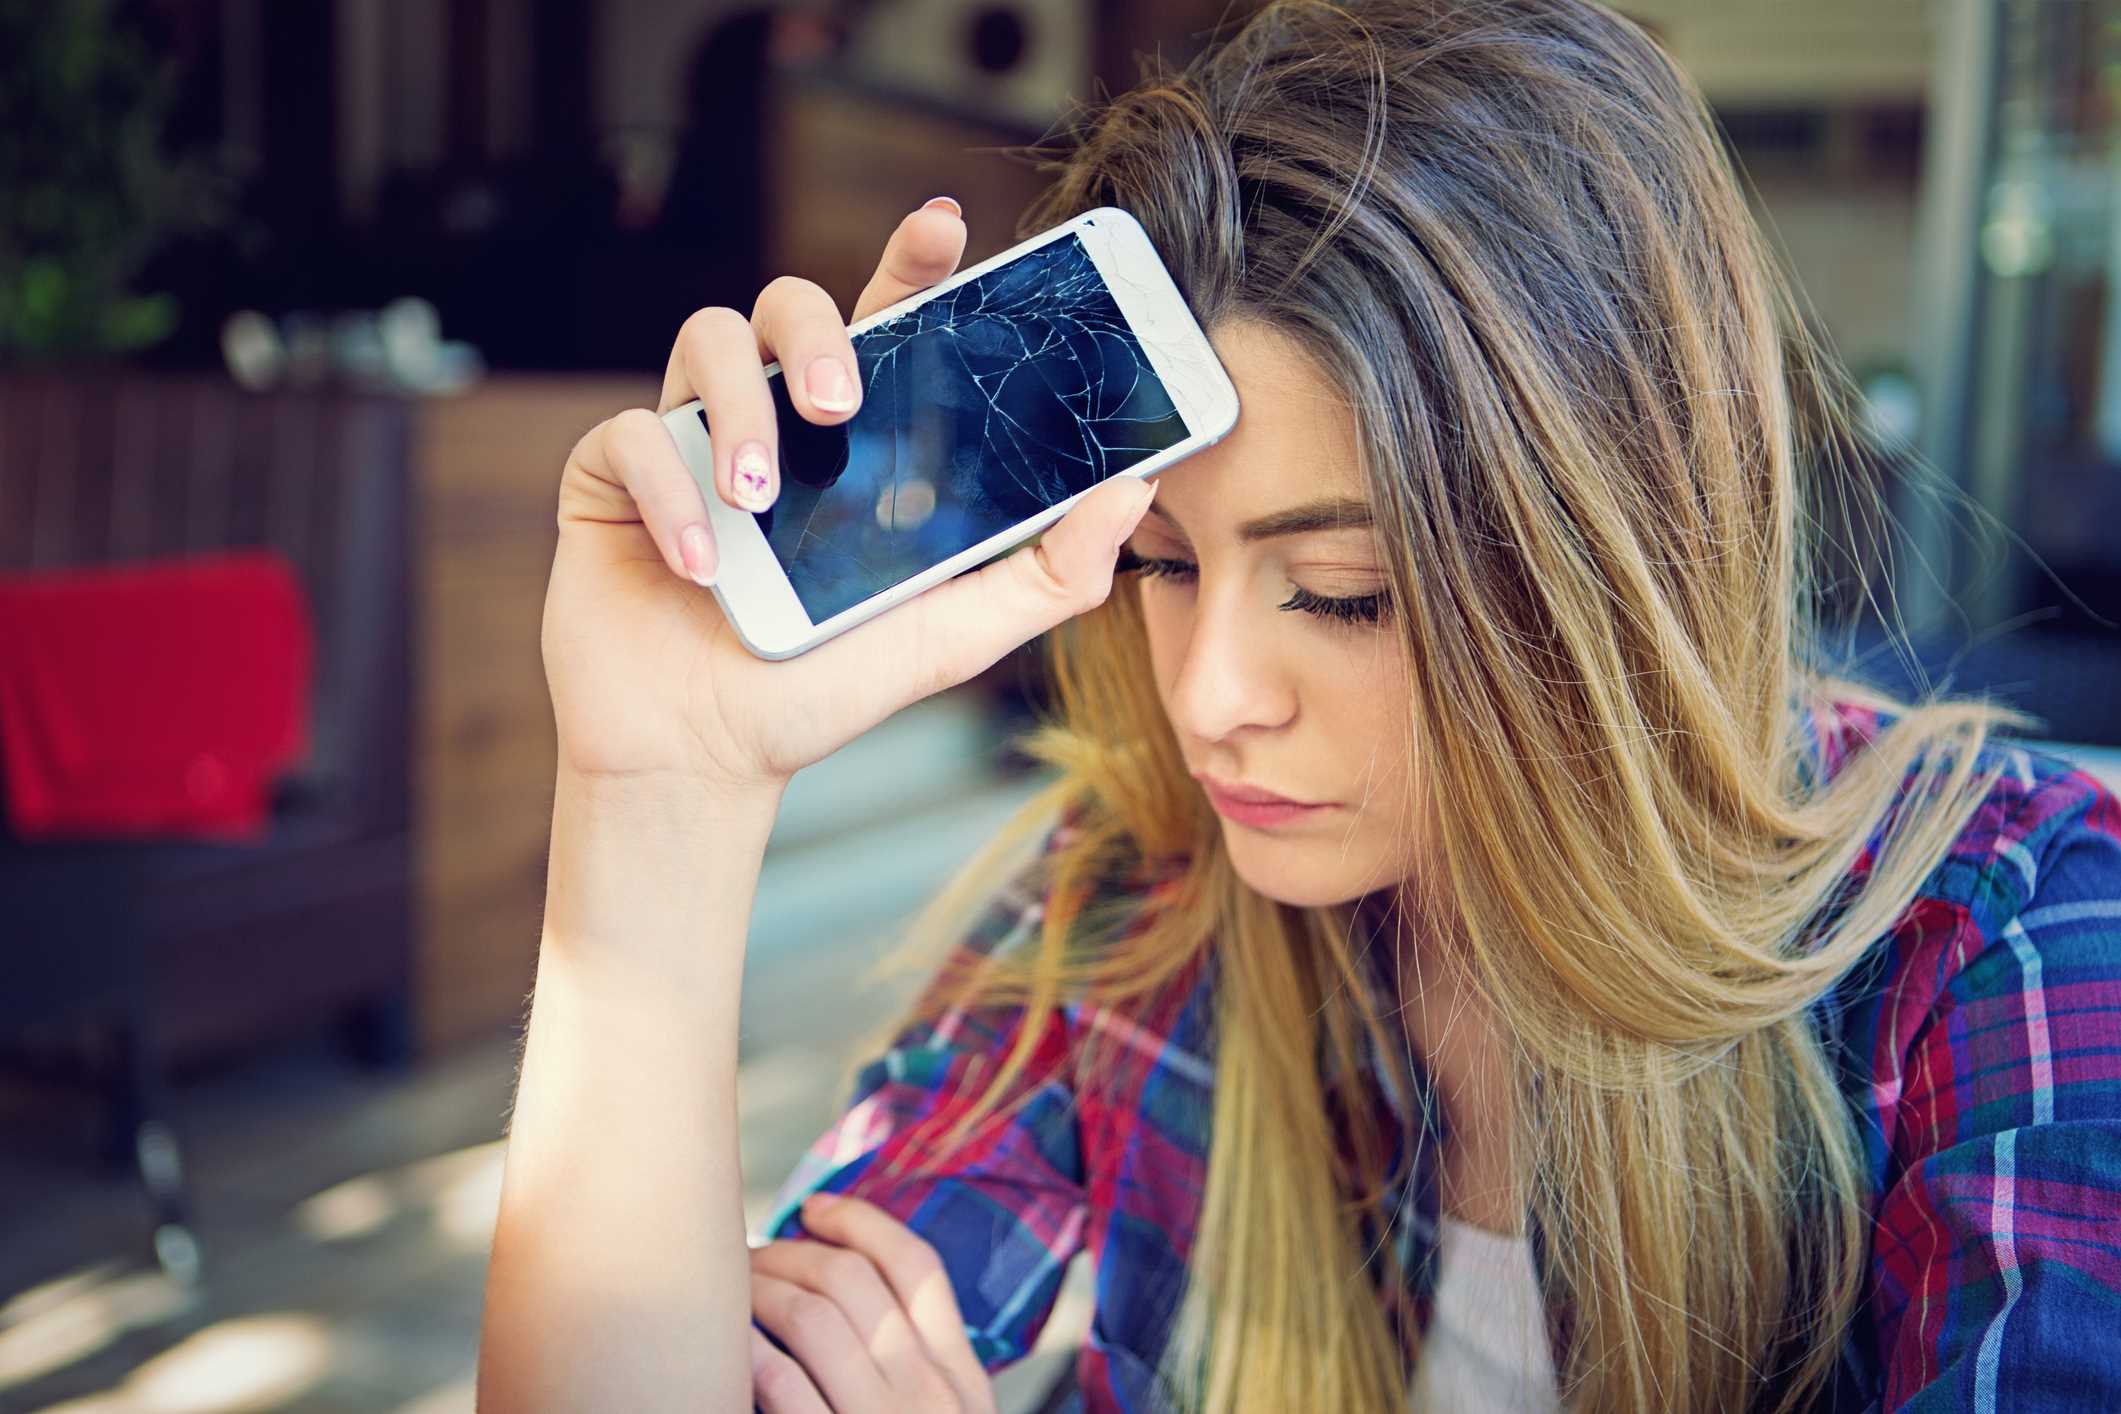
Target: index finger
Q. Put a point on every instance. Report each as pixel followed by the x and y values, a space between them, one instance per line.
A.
pixel 914 1273
pixel 923 250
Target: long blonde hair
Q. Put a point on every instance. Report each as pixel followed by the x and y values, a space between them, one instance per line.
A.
pixel 1586 403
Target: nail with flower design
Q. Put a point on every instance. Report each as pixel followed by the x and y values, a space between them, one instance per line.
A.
pixel 752 477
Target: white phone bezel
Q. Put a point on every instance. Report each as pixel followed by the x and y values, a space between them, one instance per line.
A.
pixel 750 584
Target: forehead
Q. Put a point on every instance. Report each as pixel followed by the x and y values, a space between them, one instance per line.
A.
pixel 1294 440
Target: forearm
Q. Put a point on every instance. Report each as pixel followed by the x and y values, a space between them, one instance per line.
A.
pixel 620 1277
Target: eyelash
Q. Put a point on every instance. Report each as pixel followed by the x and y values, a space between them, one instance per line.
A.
pixel 1353 609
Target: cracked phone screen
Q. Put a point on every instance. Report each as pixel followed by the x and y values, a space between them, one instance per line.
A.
pixel 980 408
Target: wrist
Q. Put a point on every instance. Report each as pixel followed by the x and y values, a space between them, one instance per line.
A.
pixel 653 876
pixel 667 802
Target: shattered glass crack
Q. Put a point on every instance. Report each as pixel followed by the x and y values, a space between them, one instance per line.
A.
pixel 980 408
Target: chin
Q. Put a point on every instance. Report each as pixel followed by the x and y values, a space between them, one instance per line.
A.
pixel 1313 870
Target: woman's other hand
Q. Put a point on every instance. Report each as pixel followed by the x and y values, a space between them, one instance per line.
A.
pixel 869 1317
pixel 649 681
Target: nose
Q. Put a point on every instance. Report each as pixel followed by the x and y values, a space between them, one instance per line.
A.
pixel 1229 677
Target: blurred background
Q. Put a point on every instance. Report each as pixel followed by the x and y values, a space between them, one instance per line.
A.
pixel 303 302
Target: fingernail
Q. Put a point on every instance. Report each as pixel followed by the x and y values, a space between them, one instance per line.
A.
pixel 949 201
pixel 698 553
pixel 830 387
pixel 1134 517
pixel 820 1203
pixel 752 477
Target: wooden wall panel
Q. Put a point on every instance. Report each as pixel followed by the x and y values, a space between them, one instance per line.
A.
pixel 847 167
pixel 489 471
pixel 1791 52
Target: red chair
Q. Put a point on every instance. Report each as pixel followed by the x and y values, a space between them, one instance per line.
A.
pixel 142 707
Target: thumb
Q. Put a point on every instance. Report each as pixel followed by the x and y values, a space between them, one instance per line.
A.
pixel 962 627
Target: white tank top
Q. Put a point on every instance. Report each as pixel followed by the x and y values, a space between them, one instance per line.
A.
pixel 1486 1343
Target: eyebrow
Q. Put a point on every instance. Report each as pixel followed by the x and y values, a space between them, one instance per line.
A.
pixel 1338 514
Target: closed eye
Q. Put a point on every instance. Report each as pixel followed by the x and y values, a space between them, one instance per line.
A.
pixel 1342 609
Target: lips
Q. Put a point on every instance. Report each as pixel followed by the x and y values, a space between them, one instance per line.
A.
pixel 1246 795
pixel 1252 808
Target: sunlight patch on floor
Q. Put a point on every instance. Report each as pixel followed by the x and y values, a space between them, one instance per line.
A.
pixel 243 1366
pixel 51 1326
pixel 460 1191
pixel 457 1397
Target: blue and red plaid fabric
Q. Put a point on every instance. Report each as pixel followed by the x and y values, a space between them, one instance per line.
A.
pixel 1979 1043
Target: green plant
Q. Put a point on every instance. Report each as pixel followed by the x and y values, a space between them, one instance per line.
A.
pixel 87 193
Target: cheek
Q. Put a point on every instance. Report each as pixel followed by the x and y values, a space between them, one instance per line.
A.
pixel 1163 620
pixel 1370 675
pixel 1363 691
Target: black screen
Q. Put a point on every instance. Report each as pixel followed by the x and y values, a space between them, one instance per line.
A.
pixel 981 407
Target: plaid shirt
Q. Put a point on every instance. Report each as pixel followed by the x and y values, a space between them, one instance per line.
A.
pixel 1980 1045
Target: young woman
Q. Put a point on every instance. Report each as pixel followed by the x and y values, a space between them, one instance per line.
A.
pixel 1478 952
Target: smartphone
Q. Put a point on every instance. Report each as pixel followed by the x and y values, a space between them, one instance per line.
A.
pixel 990 403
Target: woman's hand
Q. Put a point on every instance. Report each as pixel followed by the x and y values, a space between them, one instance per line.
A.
pixel 869 1316
pixel 649 681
